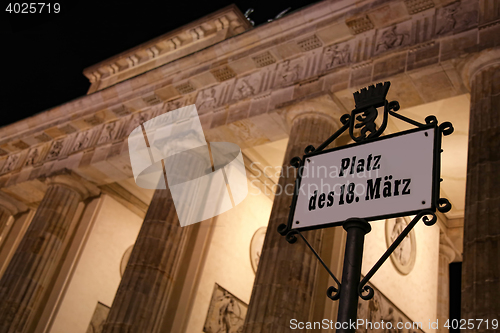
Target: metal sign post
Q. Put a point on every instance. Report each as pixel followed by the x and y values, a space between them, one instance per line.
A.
pixel 372 179
pixel 348 304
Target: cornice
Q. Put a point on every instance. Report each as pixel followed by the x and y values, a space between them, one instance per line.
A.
pixel 190 38
pixel 247 75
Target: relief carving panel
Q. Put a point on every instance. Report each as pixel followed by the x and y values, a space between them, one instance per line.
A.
pixel 456 17
pixel 11 163
pixel 290 71
pixel 211 98
pixel 337 55
pixel 393 37
pixel 33 156
pixel 55 150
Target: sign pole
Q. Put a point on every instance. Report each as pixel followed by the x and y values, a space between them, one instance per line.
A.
pixel 348 305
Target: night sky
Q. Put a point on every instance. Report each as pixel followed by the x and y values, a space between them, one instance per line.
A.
pixel 43 55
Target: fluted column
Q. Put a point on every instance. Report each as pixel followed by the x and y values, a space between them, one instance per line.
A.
pixel 9 207
pixel 140 303
pixel 25 283
pixel 481 268
pixel 446 256
pixel 285 279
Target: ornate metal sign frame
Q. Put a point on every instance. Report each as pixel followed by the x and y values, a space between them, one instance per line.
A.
pixel 435 177
pixel 365 113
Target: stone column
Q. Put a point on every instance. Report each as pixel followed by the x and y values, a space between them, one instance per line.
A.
pixel 9 207
pixel 141 300
pixel 446 256
pixel 285 279
pixel 24 286
pixel 4 217
pixel 481 267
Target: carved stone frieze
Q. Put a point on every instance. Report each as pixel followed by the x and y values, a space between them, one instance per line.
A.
pixel 207 99
pixel 264 59
pixel 270 75
pixel 213 97
pixel 33 156
pixel 223 73
pixel 359 24
pixel 422 29
pixel 245 87
pixel 309 43
pixel 108 132
pixel 185 88
pixel 456 17
pixel 290 71
pixel 337 55
pixel 252 84
pixel 55 150
pixel 12 162
pixel 82 141
pixel 133 121
pixel 174 104
pixel 416 6
pixel 393 37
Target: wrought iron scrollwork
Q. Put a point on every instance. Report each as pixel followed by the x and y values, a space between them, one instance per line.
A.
pixel 333 293
pixel 428 222
pixel 429 120
pixel 345 118
pixel 296 162
pixel 309 149
pixel 446 128
pixel 368 289
pixel 443 205
pixel 291 237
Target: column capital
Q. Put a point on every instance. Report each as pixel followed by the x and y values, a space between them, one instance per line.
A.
pixel 11 205
pixel 75 182
pixel 478 62
pixel 445 249
pixel 321 105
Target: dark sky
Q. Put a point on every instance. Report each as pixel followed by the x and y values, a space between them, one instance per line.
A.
pixel 43 55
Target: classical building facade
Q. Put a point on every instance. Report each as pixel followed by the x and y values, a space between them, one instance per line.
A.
pixel 84 249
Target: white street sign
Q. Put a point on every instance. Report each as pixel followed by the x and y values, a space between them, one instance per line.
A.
pixel 392 176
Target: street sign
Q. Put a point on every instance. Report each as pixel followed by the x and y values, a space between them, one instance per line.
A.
pixel 391 176
pixel 374 178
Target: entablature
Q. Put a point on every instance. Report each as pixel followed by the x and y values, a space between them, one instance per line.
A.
pixel 238 83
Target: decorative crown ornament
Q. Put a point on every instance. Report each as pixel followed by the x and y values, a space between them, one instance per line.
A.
pixel 372 96
pixel 364 115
